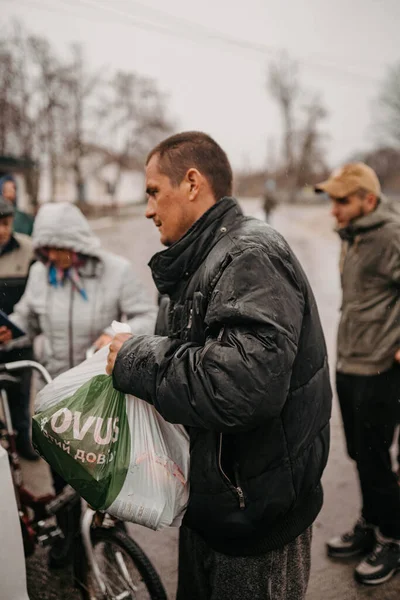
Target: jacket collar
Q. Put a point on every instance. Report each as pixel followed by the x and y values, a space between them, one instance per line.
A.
pixel 385 212
pixel 182 259
pixel 11 245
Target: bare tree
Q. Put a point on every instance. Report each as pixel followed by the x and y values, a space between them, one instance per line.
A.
pixel 303 153
pixel 389 121
pixel 81 85
pixel 284 87
pixel 137 120
pixel 23 94
pixel 58 114
pixel 51 106
pixel 310 159
pixel 7 108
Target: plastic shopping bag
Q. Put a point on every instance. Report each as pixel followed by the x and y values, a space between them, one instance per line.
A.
pixel 115 450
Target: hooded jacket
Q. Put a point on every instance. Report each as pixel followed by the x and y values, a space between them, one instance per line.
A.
pixel 23 223
pixel 369 329
pixel 240 360
pixel 69 322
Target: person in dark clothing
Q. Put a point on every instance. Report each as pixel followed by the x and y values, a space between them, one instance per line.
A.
pixel 23 223
pixel 16 256
pixel 239 358
pixel 270 200
pixel 368 373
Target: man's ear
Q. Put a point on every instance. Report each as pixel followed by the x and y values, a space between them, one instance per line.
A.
pixel 371 201
pixel 193 180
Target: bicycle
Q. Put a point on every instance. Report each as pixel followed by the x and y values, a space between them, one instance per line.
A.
pixel 108 564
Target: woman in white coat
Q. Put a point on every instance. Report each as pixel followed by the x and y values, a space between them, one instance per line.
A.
pixel 74 292
pixel 76 289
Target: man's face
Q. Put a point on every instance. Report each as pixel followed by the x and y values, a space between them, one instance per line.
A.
pixel 9 191
pixel 169 206
pixel 349 208
pixel 6 229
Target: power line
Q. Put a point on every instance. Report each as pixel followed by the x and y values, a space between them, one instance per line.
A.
pixel 208 33
pixel 207 30
pixel 200 31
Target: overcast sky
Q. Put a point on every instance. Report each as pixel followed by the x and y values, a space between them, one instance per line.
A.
pixel 344 48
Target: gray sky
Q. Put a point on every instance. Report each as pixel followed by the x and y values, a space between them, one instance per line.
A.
pixel 344 47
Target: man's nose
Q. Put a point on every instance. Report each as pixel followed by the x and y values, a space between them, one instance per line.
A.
pixel 150 209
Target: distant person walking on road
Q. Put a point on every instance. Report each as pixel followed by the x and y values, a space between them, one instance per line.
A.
pixel 239 359
pixel 270 200
pixel 368 373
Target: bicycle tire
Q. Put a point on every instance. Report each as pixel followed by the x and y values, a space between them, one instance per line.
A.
pixel 142 563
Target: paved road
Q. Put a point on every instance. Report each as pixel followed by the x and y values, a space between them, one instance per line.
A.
pixel 309 231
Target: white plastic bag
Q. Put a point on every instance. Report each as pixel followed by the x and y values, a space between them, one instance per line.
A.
pixel 115 450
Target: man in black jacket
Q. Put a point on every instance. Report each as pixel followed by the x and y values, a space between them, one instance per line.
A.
pixel 239 358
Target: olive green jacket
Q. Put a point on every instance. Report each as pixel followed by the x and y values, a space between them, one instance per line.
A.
pixel 369 329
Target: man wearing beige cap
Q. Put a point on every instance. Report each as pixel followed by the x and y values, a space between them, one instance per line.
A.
pixel 368 373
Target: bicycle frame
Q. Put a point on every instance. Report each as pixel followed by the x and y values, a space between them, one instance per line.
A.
pixel 24 498
pixel 26 364
pixel 41 506
pixel 86 523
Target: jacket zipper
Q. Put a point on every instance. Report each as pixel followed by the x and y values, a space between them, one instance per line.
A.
pixel 237 489
pixel 71 329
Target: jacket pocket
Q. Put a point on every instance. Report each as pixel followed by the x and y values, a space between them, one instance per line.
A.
pixel 235 484
pixel 359 337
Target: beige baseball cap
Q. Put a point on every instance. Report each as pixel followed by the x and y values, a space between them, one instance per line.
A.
pixel 348 179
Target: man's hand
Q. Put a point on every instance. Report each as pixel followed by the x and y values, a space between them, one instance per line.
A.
pixel 5 335
pixel 397 356
pixel 102 341
pixel 115 347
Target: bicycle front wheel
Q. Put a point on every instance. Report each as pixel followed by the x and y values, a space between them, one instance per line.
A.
pixel 125 569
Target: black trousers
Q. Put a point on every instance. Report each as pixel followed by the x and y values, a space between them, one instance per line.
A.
pixel 370 407
pixel 205 574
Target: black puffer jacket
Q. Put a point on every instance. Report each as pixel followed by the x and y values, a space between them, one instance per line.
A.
pixel 244 367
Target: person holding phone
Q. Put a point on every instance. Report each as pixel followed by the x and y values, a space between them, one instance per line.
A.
pixel 74 292
pixel 16 257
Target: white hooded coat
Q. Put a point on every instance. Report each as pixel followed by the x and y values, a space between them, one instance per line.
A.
pixel 70 324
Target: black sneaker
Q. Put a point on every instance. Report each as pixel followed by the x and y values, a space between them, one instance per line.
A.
pixel 380 565
pixel 360 540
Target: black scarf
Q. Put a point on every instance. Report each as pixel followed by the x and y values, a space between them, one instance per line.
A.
pixel 183 258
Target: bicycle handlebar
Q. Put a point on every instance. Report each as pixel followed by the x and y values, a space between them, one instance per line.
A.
pixel 26 364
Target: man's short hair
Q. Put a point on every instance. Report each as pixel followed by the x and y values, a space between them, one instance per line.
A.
pixel 194 149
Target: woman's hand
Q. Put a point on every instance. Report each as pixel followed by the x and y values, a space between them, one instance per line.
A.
pixel 5 335
pixel 115 347
pixel 102 341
